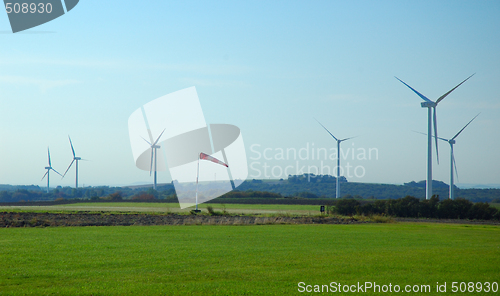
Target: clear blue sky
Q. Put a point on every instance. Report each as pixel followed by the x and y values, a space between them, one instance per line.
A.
pixel 267 67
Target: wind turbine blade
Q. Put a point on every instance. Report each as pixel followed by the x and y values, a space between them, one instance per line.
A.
pixel 326 130
pixel 147 142
pixel 151 164
pixel 48 153
pixel 159 137
pixel 426 135
pixel 420 133
pixel 443 96
pixel 150 135
pixel 436 134
pixel 348 139
pixel 465 127
pixel 68 167
pixel 455 165
pixel 419 94
pixel 72 147
pixel 56 172
pixel 45 175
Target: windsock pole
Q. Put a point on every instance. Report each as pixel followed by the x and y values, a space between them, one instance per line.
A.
pixel 197 176
pixel 209 158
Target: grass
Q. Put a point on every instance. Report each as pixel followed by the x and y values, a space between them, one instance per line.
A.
pixel 241 260
pixel 495 205
pixel 168 207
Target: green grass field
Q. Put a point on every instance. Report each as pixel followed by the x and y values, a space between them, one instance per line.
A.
pixel 169 207
pixel 242 260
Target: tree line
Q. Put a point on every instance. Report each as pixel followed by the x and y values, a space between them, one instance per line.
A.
pixel 324 186
pixel 411 207
pixel 87 193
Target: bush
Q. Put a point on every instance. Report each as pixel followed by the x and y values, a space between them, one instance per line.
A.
pixel 306 194
pixel 497 215
pixel 143 196
pixel 211 211
pixel 375 208
pixel 454 209
pixel 404 207
pixel 482 211
pixel 429 208
pixel 115 196
pixel 347 207
pixel 415 208
pixel 381 219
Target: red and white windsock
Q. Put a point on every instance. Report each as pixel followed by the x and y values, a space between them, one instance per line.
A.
pixel 212 159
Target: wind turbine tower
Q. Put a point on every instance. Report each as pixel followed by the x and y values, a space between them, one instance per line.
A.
pixel 337 193
pixel 431 117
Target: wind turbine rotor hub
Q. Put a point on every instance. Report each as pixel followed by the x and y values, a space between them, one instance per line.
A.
pixel 428 104
pixel 451 142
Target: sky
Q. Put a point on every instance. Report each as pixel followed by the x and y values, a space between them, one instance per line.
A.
pixel 269 67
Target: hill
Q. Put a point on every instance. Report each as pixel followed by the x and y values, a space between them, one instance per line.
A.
pixel 305 186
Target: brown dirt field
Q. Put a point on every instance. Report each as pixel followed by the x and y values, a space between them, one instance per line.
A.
pixel 12 219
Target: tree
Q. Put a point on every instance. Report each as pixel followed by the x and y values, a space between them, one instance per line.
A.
pixel 347 207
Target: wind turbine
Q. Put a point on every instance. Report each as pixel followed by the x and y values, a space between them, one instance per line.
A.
pixel 48 168
pixel 337 195
pixel 453 164
pixel 431 118
pixel 153 152
pixel 74 158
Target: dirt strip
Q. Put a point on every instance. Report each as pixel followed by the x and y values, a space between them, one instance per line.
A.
pixel 12 219
pixel 26 219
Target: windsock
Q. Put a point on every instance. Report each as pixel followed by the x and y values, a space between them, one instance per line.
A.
pixel 212 159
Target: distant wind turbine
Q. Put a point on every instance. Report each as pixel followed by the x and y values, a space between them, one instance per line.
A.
pixel 74 158
pixel 154 146
pixel 430 118
pixel 337 195
pixel 48 168
pixel 453 164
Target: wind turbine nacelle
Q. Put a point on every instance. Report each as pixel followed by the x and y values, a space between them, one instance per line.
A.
pixel 47 168
pixel 428 104
pixel 78 158
pixel 451 142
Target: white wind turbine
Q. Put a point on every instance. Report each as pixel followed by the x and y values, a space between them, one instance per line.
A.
pixel 430 118
pixel 48 168
pixel 154 146
pixel 337 195
pixel 74 158
pixel 453 164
